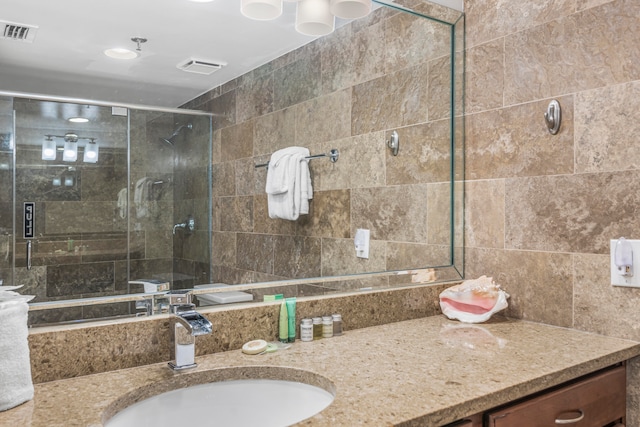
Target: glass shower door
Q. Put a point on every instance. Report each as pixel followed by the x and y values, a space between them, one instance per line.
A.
pixel 70 173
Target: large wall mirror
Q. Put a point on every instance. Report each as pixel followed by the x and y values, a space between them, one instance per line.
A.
pixel 178 195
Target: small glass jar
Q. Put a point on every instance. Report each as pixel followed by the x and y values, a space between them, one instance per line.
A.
pixel 317 328
pixel 327 326
pixel 337 324
pixel 306 330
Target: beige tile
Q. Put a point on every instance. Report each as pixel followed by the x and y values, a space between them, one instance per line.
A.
pixel 593 48
pixel 339 257
pixel 439 214
pixel 405 256
pixel 394 100
pixel 599 306
pixel 329 215
pixel 484 76
pixel 365 153
pixel 249 180
pixel 216 146
pixel 586 4
pixel 484 214
pixel 540 283
pixel 255 252
pixel 223 247
pixel 350 57
pixel 223 179
pixel 297 256
pixel 263 224
pixel 411 40
pixel 514 141
pixel 236 213
pixel 577 213
pixel 324 119
pixel 254 98
pixel 237 141
pixel 391 213
pixel 606 137
pixel 439 93
pixel 274 131
pixel 297 82
pixel 223 109
pixel 490 19
pixel 424 154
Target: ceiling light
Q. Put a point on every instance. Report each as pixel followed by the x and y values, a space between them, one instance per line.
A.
pixel 121 53
pixel 261 10
pixel 313 18
pixel 350 9
pixel 78 120
pixel 201 1
pixel 90 152
pixel 48 148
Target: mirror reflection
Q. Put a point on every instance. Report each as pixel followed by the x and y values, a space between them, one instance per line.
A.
pixel 175 196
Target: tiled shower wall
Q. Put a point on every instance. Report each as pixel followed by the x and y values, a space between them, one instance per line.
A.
pixel 540 209
pixel 346 91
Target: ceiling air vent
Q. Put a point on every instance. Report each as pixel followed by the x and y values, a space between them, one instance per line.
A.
pixel 19 32
pixel 200 66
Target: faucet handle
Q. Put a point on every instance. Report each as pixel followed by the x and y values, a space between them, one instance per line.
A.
pixel 178 298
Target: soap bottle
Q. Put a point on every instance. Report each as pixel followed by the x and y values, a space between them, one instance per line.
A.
pixel 283 333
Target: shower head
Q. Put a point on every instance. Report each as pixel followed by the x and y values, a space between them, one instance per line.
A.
pixel 175 133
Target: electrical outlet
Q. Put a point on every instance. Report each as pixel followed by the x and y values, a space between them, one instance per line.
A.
pixel 618 279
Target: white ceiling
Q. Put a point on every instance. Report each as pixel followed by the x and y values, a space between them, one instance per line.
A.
pixel 66 58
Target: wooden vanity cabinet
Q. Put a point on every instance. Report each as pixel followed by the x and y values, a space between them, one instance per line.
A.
pixel 595 401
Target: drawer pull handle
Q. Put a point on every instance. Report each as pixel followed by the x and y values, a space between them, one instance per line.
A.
pixel 571 420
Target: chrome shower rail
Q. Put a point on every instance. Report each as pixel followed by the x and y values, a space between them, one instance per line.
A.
pixel 333 155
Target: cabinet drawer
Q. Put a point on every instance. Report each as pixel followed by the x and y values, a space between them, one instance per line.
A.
pixel 597 400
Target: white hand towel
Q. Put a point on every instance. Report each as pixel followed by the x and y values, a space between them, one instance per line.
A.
pixel 16 386
pixel 122 203
pixel 288 185
pixel 141 197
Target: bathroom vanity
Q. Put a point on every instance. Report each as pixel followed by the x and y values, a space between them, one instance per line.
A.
pixel 424 372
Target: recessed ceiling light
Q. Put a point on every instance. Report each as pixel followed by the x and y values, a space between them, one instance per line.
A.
pixel 121 53
pixel 78 120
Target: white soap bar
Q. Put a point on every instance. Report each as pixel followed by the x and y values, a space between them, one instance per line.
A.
pixel 254 347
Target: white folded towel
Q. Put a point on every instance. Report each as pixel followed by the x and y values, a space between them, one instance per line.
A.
pixel 288 186
pixel 141 196
pixel 122 203
pixel 16 386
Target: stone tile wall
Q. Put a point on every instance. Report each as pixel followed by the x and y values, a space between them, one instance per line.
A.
pixel 347 91
pixel 540 209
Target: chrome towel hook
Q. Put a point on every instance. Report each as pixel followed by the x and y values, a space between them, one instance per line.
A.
pixel 394 143
pixel 553 117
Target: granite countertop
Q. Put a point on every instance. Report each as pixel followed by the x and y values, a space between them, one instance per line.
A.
pixel 429 371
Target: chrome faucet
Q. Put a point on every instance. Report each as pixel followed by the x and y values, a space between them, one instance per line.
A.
pixel 189 225
pixel 187 324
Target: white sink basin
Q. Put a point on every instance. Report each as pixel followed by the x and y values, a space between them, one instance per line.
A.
pixel 230 402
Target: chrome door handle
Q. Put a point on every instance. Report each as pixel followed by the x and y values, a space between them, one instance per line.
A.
pixel 579 418
pixel 29 254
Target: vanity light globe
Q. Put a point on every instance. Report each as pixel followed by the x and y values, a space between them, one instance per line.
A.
pixel 350 9
pixel 313 18
pixel 261 10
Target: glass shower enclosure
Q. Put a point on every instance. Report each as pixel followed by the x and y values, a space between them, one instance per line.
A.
pixel 95 197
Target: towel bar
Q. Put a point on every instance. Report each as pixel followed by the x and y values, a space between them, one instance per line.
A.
pixel 333 155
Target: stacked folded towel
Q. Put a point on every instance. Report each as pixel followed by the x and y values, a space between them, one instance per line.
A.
pixel 16 386
pixel 141 196
pixel 289 186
